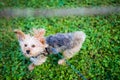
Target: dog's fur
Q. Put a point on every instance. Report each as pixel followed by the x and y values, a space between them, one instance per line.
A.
pixel 33 46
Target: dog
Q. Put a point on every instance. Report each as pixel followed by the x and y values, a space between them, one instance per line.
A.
pixel 36 46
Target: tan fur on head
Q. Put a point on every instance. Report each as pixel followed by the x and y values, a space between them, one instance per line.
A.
pixel 31 45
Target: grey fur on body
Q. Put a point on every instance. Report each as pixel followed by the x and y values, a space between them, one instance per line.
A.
pixel 61 41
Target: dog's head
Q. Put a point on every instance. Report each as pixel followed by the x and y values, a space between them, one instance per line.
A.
pixel 31 45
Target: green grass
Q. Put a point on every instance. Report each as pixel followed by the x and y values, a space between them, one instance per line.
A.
pixel 99 58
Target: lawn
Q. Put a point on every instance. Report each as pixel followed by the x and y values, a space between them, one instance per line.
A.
pixel 98 59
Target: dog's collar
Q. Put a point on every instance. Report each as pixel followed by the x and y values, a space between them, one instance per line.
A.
pixel 44 53
pixel 36 56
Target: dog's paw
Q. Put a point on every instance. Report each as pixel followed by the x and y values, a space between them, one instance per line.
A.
pixel 31 67
pixel 61 62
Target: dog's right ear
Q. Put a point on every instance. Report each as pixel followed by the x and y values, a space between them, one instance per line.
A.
pixel 20 34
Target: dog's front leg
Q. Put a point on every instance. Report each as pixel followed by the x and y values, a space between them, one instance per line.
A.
pixel 36 62
pixel 31 66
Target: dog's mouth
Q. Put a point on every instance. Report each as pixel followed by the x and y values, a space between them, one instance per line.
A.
pixel 27 55
pixel 30 55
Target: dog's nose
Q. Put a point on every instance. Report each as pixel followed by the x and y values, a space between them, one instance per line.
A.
pixel 28 51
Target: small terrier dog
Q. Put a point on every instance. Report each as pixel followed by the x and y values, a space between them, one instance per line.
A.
pixel 37 46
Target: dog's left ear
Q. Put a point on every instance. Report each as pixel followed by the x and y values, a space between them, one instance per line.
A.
pixel 39 34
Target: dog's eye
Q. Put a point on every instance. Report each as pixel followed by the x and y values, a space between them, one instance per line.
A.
pixel 33 45
pixel 25 45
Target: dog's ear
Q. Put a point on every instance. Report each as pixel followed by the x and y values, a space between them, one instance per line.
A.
pixel 20 34
pixel 39 34
pixel 42 40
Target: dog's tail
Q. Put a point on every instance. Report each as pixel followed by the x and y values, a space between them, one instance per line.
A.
pixel 80 36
